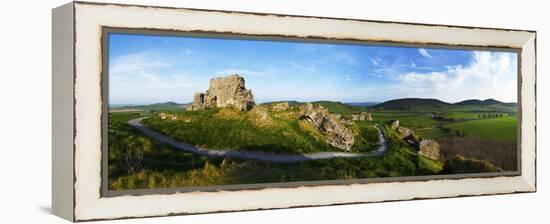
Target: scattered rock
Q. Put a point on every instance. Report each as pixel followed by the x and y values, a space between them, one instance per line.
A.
pixel 348 122
pixel 165 116
pixel 173 117
pixel 227 91
pixel 280 106
pixel 338 134
pixel 363 116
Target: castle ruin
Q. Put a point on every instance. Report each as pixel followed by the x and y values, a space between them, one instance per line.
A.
pixel 227 91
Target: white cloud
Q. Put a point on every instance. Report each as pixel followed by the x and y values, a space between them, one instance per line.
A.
pixel 424 53
pixel 489 75
pixel 145 78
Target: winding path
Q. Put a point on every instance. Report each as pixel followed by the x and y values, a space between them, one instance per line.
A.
pixel 278 158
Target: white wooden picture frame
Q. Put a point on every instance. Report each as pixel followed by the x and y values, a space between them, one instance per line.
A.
pixel 78 109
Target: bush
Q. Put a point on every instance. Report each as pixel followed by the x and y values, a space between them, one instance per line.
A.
pixel 459 164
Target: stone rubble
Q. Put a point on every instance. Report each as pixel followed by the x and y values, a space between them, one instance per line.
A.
pixel 280 106
pixel 363 116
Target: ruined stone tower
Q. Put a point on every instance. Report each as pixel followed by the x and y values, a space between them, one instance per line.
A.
pixel 227 91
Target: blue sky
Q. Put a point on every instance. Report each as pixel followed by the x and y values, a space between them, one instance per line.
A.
pixel 150 69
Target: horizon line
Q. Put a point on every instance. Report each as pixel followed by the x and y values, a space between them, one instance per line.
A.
pixel 311 101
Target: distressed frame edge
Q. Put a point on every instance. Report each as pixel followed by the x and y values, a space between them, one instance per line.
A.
pixel 62 76
pixel 527 181
pixel 529 63
pixel 297 16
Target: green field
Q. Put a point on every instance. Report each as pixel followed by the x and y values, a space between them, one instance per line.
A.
pixel 433 133
pixel 138 162
pixel 502 129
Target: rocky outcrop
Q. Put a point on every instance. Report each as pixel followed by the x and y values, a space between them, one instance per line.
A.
pixel 394 124
pixel 429 148
pixel 227 91
pixel 260 116
pixel 426 147
pixel 280 106
pixel 404 132
pixel 338 135
pixel 363 116
pixel 412 141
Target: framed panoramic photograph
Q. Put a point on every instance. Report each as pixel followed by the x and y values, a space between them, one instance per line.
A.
pixel 161 111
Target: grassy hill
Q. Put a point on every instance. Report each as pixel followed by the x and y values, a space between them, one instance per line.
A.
pixel 291 103
pixel 413 104
pixel 478 102
pixel 434 105
pixel 138 162
pixel 279 132
pixel 362 104
pixel 340 108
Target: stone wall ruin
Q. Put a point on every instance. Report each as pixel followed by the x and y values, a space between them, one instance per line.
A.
pixel 227 91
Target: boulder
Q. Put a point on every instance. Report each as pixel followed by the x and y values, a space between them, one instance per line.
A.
pixel 429 148
pixel 338 135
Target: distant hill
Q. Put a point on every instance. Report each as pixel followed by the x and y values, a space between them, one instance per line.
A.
pixel 419 104
pixel 167 104
pixel 363 104
pixel 411 104
pixel 478 102
pixel 151 107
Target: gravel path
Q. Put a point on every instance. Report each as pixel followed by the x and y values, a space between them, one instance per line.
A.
pixel 278 158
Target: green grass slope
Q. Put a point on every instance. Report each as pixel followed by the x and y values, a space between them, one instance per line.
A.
pixel 502 129
pixel 138 162
pixel 226 128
